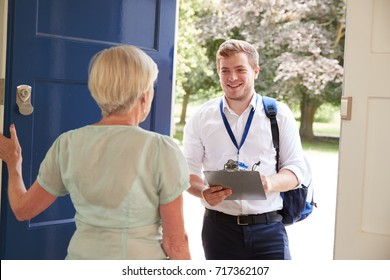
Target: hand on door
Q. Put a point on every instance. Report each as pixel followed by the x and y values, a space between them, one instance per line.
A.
pixel 10 151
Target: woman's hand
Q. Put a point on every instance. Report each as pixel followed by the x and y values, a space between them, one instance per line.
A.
pixel 10 150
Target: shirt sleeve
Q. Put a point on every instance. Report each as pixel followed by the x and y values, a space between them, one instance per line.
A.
pixel 193 146
pixel 173 175
pixel 291 153
pixel 49 176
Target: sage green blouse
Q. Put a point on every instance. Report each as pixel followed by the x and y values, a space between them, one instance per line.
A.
pixel 116 176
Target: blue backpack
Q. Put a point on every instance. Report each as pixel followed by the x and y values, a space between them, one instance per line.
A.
pixel 297 203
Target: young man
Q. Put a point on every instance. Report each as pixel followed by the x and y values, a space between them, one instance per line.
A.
pixel 242 229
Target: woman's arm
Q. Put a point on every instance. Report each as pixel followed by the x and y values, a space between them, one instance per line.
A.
pixel 25 204
pixel 28 204
pixel 175 240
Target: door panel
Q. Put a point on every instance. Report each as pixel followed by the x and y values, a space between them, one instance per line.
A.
pixel 119 22
pixel 50 44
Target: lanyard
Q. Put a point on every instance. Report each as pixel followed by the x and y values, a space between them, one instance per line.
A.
pixel 229 130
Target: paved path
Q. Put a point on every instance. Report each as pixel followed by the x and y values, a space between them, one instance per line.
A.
pixel 311 239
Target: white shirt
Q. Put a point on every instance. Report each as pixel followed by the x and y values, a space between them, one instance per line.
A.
pixel 208 146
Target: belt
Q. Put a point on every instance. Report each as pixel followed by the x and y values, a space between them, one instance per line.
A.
pixel 244 220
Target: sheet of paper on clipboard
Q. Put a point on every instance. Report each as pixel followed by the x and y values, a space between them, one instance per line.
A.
pixel 246 185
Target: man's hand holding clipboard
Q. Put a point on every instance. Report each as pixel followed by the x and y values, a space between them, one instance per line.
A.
pixel 245 185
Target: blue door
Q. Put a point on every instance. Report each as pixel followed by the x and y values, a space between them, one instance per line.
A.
pixel 49 46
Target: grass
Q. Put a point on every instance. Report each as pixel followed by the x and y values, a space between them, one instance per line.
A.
pixel 330 129
pixel 321 144
pixel 327 137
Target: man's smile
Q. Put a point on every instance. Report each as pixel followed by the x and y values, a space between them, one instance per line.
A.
pixel 234 85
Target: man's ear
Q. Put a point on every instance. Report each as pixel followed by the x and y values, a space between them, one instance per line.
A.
pixel 257 71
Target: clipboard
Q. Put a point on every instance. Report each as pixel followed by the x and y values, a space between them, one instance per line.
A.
pixel 246 185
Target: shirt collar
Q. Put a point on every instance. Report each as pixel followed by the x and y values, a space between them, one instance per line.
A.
pixel 251 105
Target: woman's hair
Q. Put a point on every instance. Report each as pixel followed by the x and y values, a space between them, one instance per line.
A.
pixel 118 76
pixel 232 47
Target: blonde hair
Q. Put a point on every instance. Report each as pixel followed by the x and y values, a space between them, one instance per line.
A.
pixel 118 76
pixel 232 47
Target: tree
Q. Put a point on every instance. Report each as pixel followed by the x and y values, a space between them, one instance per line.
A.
pixel 300 45
pixel 194 76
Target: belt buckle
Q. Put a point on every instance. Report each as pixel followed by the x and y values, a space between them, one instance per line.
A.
pixel 239 221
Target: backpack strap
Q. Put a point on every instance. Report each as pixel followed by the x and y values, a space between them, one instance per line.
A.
pixel 271 110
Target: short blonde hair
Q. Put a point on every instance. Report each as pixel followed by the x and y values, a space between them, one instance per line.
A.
pixel 232 47
pixel 118 76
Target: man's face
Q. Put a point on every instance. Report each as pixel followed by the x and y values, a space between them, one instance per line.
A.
pixel 237 77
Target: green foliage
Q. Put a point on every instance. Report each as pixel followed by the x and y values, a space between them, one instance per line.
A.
pixel 327 113
pixel 194 74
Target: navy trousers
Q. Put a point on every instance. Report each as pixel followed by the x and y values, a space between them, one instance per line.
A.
pixel 227 241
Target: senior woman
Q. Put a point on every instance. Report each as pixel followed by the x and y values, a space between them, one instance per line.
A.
pixel 126 183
